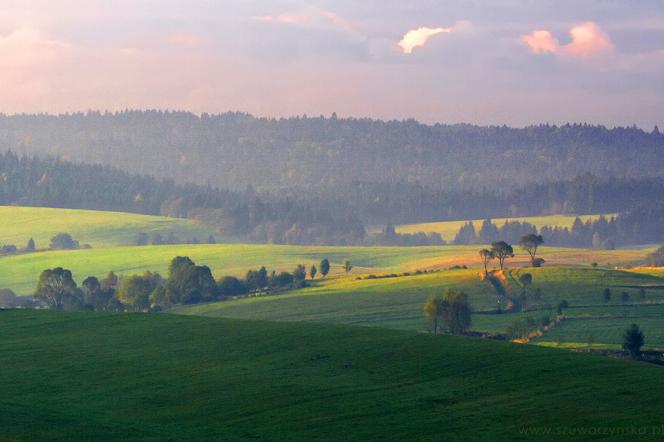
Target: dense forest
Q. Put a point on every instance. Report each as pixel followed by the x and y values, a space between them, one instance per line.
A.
pixel 246 215
pixel 338 215
pixel 236 150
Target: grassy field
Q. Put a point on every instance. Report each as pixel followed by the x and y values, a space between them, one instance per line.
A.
pixel 397 302
pixel 97 228
pixel 606 324
pixel 20 272
pixel 449 229
pixel 90 376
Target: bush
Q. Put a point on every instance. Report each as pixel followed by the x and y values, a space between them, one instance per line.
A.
pixel 230 286
pixel 63 241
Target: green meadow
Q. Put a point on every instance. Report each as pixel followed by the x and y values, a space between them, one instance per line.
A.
pixel 20 272
pixel 397 302
pixel 96 376
pixel 97 228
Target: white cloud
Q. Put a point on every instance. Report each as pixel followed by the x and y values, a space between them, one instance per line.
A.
pixel 419 37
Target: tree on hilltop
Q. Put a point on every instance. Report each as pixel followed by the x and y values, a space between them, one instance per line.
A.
pixel 502 251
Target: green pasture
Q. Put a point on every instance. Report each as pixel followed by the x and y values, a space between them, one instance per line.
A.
pixel 98 228
pixel 93 376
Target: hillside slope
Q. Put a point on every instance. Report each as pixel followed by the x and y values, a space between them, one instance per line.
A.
pixel 20 272
pixel 89 376
pixel 94 227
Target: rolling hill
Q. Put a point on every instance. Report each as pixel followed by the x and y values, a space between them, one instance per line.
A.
pixel 397 302
pixel 93 376
pixel 94 227
pixel 20 272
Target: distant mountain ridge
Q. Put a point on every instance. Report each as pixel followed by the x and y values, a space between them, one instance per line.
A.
pixel 236 150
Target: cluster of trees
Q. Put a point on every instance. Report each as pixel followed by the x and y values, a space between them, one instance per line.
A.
pixel 389 237
pixel 450 311
pixel 489 232
pixel 157 239
pixel 61 241
pixel 501 251
pixel 186 283
pixel 640 225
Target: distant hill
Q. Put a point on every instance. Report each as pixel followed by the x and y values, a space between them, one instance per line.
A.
pixel 96 228
pixel 89 376
pixel 235 150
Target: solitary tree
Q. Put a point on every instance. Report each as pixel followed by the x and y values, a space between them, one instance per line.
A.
pixel 30 247
pixel 530 243
pixel 486 255
pixel 606 295
pixel 502 251
pixel 624 297
pixel 434 309
pixel 347 266
pixel 312 271
pixel 526 279
pixel 633 340
pixel 324 267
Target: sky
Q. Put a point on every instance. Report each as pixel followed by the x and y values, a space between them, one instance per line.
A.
pixel 484 62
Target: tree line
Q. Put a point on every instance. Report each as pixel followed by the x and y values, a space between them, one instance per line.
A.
pixel 235 150
pixel 186 283
pixel 640 225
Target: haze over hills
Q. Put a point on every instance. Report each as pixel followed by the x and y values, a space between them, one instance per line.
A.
pixel 331 220
pixel 236 150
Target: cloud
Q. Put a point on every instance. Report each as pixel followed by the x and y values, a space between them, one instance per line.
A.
pixel 419 37
pixel 540 42
pixel 26 46
pixel 313 17
pixel 587 40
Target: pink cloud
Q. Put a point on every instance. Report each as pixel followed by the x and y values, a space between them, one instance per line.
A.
pixel 26 46
pixel 540 42
pixel 587 40
pixel 185 39
pixel 312 18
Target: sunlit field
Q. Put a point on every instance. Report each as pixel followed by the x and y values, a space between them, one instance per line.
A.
pixel 96 228
pixel 20 272
pixel 449 229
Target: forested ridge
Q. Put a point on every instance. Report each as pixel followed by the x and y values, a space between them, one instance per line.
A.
pixel 236 150
pixel 323 180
